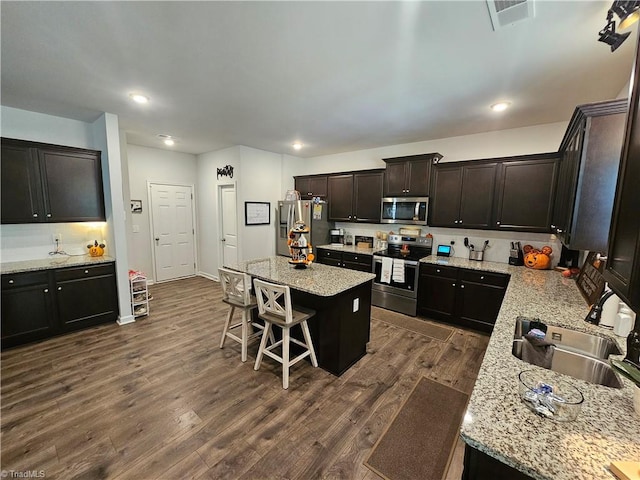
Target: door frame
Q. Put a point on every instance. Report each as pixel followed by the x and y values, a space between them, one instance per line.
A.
pixel 193 222
pixel 220 186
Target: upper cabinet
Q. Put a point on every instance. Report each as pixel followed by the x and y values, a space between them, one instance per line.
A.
pixel 311 186
pixel 511 193
pixel 50 183
pixel 409 176
pixel 355 197
pixel 462 194
pixel 623 264
pixel 524 193
pixel 589 162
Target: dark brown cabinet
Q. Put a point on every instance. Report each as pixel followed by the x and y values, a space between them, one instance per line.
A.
pixel 589 161
pixel 462 195
pixel 311 186
pixel 27 308
pixel 50 183
pixel 355 197
pixel 352 261
pixel 471 298
pixel 623 264
pixel 39 305
pixel 524 194
pixel 409 176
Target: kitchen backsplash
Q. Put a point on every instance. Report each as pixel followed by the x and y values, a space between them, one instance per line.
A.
pixel 35 240
pixel 499 242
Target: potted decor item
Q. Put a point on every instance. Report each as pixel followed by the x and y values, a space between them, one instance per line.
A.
pixel 537 259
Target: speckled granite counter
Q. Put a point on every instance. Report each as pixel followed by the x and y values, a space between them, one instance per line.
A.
pixel 55 261
pixel 350 249
pixel 317 279
pixel 498 423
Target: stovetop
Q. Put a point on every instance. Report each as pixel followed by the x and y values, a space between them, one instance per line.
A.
pixel 419 247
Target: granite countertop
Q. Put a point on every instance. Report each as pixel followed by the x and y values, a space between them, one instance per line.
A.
pixel 499 424
pixel 317 279
pixel 350 249
pixel 55 261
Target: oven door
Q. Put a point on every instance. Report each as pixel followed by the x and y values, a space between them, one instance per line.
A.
pixel 408 288
pixel 406 211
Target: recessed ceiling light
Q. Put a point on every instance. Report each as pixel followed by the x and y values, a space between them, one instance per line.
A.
pixel 297 146
pixel 500 107
pixel 139 98
pixel 167 139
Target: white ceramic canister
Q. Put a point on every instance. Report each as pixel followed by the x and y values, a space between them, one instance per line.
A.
pixel 610 311
pixel 624 321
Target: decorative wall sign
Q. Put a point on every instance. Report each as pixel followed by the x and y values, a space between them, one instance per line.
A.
pixel 136 206
pixel 226 171
pixel 257 213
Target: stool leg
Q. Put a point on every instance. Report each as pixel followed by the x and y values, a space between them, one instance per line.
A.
pixel 263 344
pixel 245 335
pixel 286 335
pixel 307 338
pixel 226 326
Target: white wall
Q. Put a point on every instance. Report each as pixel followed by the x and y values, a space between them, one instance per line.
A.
pixel 153 165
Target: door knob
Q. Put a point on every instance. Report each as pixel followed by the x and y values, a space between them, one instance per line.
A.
pixel 223 240
pixel 157 239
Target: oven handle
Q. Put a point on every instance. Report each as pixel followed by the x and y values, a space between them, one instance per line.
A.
pixel 411 263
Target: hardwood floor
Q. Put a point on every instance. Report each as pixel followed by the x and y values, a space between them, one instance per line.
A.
pixel 159 399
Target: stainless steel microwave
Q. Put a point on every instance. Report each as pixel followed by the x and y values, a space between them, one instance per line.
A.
pixel 405 210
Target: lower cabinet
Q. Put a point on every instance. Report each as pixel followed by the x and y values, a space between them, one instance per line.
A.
pixel 480 466
pixel 352 261
pixel 39 305
pixel 470 298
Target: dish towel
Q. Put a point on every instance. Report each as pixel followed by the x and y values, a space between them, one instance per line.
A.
pixel 537 351
pixel 398 270
pixel 385 273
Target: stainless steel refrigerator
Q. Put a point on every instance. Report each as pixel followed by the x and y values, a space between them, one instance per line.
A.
pixel 313 215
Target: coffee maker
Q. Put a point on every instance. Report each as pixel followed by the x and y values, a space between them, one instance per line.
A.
pixel 336 236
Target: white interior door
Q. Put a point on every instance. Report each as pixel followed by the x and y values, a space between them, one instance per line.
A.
pixel 229 224
pixel 172 229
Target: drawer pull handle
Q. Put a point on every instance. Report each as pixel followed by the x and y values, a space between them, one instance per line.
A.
pixel 48 215
pixel 437 270
pixel 453 284
pixel 482 277
pixel 462 286
pixel 10 282
pixel 46 290
pixel 59 288
pixel 35 215
pixel 86 271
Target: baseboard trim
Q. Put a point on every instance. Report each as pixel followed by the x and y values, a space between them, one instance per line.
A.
pixel 126 320
pixel 208 276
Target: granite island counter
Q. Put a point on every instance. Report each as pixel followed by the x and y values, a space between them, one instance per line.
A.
pixel 499 425
pixel 342 301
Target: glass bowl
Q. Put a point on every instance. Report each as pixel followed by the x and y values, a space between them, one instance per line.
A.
pixel 549 396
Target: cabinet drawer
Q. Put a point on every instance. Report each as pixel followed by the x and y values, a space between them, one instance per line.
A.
pixel 84 272
pixel 439 271
pixel 485 278
pixel 12 280
pixel 323 253
pixel 360 258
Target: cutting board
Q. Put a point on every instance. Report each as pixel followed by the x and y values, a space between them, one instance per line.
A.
pixel 626 470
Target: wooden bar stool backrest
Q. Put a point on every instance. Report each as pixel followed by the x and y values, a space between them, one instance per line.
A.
pixel 274 299
pixel 236 287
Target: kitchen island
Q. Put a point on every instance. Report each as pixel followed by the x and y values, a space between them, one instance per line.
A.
pixel 497 424
pixel 341 298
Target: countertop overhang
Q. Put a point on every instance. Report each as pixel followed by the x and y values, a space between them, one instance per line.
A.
pixel 500 425
pixel 55 261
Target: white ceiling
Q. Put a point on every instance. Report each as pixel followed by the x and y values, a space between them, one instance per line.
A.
pixel 338 76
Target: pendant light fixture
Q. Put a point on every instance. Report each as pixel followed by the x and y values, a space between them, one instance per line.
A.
pixel 628 12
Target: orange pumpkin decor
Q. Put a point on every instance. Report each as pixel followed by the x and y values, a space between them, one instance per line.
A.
pixel 537 259
pixel 97 249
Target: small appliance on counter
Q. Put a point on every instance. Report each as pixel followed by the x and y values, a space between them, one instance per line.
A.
pixel 516 257
pixel 336 236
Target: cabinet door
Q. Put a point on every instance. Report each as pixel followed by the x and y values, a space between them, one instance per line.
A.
pixel 367 197
pixel 478 305
pixel 395 180
pixel 445 196
pixel 86 299
pixel 567 185
pixel 303 186
pixel 27 310
pixel 21 185
pixel 73 185
pixel 318 186
pixel 340 197
pixel 418 177
pixel 476 199
pixel 525 195
pixel 437 296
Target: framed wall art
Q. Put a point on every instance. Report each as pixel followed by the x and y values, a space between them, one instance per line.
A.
pixel 257 213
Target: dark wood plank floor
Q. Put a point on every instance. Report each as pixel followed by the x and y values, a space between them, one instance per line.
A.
pixel 159 399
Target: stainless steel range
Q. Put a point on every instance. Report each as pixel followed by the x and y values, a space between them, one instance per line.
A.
pixel 397 269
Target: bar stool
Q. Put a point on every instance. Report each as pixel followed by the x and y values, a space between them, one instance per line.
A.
pixel 236 292
pixel 284 316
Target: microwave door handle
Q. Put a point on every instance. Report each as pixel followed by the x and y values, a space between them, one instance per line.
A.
pixel 416 211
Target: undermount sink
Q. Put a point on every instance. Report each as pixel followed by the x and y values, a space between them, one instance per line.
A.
pixel 577 354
